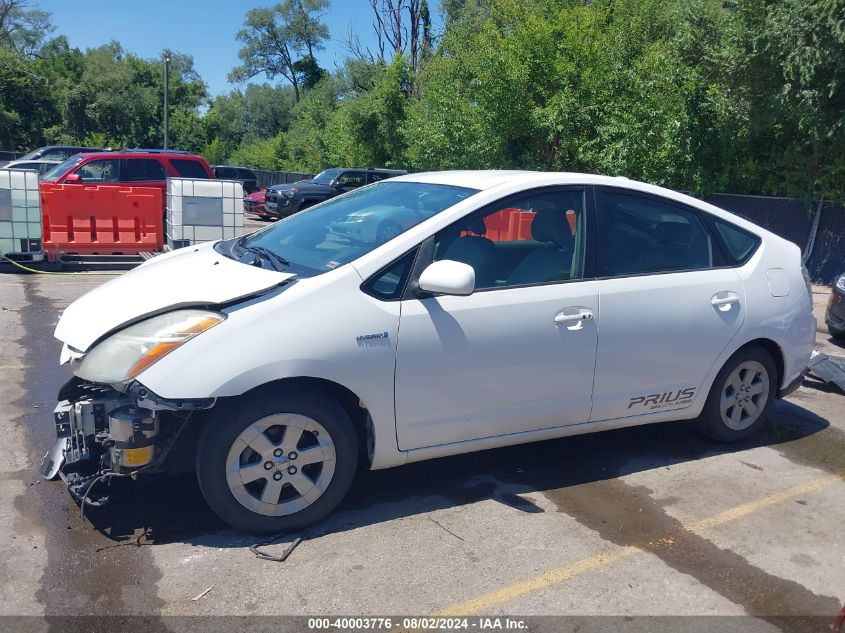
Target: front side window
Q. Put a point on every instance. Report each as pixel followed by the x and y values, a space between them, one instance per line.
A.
pixel 344 228
pixel 144 169
pixel 105 170
pixel 641 235
pixel 188 168
pixel 537 238
pixel 325 177
pixel 58 154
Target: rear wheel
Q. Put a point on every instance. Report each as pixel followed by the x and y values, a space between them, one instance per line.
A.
pixel 277 461
pixel 836 333
pixel 741 396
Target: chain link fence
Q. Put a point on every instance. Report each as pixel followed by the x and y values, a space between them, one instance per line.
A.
pixel 269 178
pixel 819 230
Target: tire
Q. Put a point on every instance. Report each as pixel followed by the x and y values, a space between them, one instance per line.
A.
pixel 387 230
pixel 732 419
pixel 836 333
pixel 269 489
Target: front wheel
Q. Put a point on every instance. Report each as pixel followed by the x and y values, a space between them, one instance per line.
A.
pixel 277 461
pixel 741 396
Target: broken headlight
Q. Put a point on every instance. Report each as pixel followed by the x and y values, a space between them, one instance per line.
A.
pixel 124 355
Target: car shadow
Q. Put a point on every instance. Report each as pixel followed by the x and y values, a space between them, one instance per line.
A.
pixel 161 509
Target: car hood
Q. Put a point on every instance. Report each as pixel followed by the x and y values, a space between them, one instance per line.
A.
pixel 258 196
pixel 192 276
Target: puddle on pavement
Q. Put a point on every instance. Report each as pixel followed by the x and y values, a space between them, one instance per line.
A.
pixel 77 579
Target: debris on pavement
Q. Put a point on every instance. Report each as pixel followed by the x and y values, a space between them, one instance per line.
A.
pixel 197 597
pixel 279 559
pixel 828 369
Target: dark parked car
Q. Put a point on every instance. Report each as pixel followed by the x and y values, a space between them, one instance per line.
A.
pixel 246 176
pixel 835 316
pixel 285 200
pixel 57 152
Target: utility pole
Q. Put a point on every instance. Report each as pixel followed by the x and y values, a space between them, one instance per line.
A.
pixel 166 105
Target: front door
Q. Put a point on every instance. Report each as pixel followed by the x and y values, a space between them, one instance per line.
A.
pixel 518 354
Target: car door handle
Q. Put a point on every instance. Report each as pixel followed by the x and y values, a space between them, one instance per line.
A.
pixel 573 316
pixel 724 300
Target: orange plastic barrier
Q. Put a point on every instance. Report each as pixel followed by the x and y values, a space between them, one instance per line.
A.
pixel 101 219
pixel 509 224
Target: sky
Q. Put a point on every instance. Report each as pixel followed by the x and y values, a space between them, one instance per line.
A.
pixel 203 28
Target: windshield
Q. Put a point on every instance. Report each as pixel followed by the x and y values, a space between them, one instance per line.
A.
pixel 33 154
pixel 325 177
pixel 62 168
pixel 344 228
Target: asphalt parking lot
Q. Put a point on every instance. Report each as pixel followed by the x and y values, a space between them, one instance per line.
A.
pixel 642 521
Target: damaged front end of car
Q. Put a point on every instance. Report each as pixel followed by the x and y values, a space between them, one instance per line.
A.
pixel 108 424
pixel 103 433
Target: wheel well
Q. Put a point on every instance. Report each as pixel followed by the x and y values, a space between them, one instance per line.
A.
pixel 351 403
pixel 774 351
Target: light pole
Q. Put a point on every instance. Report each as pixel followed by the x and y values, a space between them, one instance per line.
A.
pixel 166 106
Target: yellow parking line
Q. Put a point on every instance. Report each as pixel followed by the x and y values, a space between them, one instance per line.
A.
pixel 4 367
pixel 556 576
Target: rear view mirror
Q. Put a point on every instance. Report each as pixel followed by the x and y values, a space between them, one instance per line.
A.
pixel 73 179
pixel 449 278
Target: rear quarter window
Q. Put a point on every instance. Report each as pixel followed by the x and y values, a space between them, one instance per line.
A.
pixel 188 168
pixel 737 243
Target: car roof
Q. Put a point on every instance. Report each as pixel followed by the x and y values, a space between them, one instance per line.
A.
pixel 33 160
pixel 487 179
pixel 137 154
pixel 475 179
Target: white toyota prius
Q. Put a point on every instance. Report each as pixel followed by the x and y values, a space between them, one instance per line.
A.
pixel 506 307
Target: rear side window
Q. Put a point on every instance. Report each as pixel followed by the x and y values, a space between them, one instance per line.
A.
pixel 188 168
pixel 246 174
pixel 141 169
pixel 641 235
pixel 738 243
pixel 351 179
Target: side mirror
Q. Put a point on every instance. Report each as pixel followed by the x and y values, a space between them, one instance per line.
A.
pixel 449 278
pixel 73 179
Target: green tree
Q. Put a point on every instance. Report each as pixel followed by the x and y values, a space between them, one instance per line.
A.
pixel 281 41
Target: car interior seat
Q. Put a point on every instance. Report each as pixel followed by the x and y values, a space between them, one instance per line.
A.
pixel 552 262
pixel 476 251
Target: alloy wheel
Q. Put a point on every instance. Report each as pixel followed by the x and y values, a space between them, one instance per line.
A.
pixel 744 395
pixel 280 464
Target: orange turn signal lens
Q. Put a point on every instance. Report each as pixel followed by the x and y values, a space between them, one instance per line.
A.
pixel 156 353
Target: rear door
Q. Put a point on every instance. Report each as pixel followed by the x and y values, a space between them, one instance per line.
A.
pixel 669 305
pixel 145 172
pixel 349 180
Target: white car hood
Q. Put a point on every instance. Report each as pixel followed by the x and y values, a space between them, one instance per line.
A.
pixel 187 277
